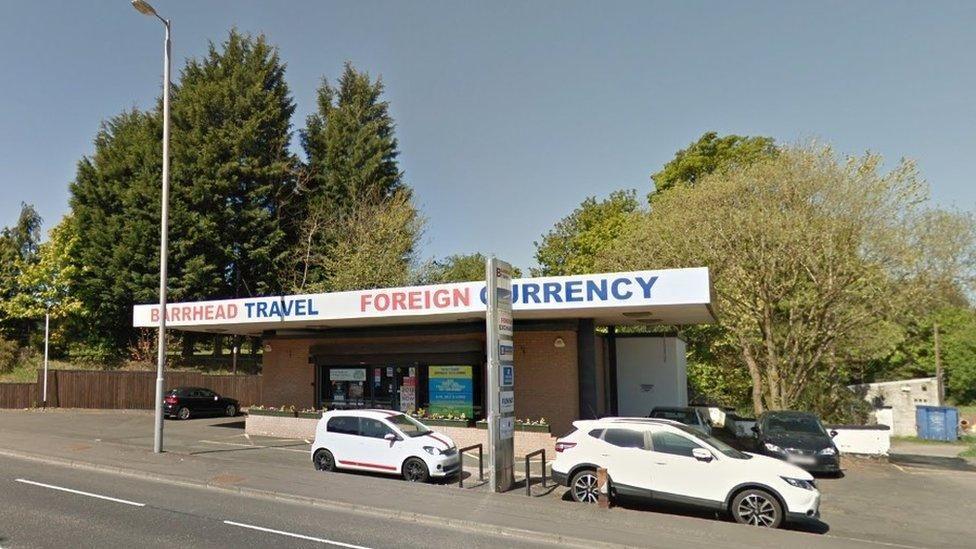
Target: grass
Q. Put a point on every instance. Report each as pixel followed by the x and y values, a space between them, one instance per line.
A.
pixel 26 371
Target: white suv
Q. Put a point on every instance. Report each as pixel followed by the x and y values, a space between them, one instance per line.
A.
pixel 382 441
pixel 665 460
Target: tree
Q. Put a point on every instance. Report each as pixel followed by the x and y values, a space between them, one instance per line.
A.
pixel 18 250
pixel 350 143
pixel 115 210
pixel 233 174
pixel 353 177
pixel 709 154
pixel 572 246
pixel 811 259
pixel 49 284
pixel 373 246
pixel 457 268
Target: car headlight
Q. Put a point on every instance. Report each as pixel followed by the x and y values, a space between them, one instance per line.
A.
pixel 829 451
pixel 799 483
pixel 773 448
pixel 432 450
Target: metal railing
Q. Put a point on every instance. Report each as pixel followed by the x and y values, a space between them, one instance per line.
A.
pixel 528 471
pixel 481 463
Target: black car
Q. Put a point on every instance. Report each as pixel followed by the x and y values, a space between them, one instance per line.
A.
pixel 798 438
pixel 187 402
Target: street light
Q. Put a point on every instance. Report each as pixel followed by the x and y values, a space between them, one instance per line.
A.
pixel 144 8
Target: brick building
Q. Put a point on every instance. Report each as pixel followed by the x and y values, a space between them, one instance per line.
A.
pixel 424 346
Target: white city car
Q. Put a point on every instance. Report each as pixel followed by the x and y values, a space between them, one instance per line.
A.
pixel 667 461
pixel 382 441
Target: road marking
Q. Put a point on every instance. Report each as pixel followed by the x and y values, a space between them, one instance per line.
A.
pixel 875 542
pixel 80 493
pixel 255 446
pixel 293 535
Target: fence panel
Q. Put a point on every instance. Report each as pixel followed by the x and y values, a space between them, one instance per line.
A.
pixel 18 395
pixel 133 390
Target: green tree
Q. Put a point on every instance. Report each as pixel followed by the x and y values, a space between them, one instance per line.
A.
pixel 233 175
pixel 572 246
pixel 373 246
pixel 708 154
pixel 457 268
pixel 811 259
pixel 18 250
pixel 115 207
pixel 350 143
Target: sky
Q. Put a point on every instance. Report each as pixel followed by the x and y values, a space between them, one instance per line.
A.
pixel 509 114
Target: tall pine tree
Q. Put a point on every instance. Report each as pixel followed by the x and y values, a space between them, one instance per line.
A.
pixel 233 174
pixel 350 143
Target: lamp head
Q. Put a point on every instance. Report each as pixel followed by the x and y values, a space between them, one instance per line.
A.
pixel 144 8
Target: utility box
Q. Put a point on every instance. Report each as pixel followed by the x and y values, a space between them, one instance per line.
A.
pixel 937 422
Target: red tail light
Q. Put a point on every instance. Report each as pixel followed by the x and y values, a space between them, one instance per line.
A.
pixel 170 399
pixel 560 446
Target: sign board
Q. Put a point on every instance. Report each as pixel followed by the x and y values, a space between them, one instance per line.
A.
pixel 501 374
pixel 408 395
pixel 506 427
pixel 578 294
pixel 451 390
pixel 506 402
pixel 347 374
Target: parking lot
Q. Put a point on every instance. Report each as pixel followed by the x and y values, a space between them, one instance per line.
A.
pixel 875 502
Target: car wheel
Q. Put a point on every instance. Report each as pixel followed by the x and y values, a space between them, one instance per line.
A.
pixel 183 413
pixel 758 508
pixel 415 470
pixel 584 487
pixel 231 410
pixel 323 460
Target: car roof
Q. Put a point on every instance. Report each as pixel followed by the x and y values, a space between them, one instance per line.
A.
pixel 789 413
pixel 370 413
pixel 632 421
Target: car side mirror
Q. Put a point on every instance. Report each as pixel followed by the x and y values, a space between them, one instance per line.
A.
pixel 755 429
pixel 833 433
pixel 702 454
pixel 391 437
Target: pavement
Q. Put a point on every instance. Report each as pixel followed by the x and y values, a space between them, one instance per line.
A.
pixel 269 483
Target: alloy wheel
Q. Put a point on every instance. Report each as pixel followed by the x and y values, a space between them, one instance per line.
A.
pixel 585 488
pixel 756 510
pixel 414 471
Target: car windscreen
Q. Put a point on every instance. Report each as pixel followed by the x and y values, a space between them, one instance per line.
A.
pixel 792 424
pixel 715 443
pixel 687 417
pixel 410 426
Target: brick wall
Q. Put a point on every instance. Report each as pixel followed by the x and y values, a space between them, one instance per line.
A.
pixel 546 378
pixel 288 377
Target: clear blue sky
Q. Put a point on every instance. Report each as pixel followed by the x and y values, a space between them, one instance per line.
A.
pixel 510 113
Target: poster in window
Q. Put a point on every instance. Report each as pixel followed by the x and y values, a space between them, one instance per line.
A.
pixel 451 390
pixel 408 395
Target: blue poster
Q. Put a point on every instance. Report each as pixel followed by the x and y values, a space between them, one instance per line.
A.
pixel 451 390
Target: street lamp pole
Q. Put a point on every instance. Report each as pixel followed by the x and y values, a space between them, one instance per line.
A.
pixel 144 8
pixel 47 338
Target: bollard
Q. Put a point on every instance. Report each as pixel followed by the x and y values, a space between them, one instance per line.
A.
pixel 603 499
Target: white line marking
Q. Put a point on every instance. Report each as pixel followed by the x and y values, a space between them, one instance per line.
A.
pixel 293 535
pixel 80 493
pixel 255 446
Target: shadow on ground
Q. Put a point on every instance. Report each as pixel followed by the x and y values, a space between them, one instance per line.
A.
pixel 932 462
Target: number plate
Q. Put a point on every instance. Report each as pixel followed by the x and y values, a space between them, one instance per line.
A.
pixel 802 460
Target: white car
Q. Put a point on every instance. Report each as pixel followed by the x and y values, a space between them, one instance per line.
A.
pixel 666 461
pixel 383 441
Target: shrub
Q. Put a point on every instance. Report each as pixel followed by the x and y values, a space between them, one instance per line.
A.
pixel 9 355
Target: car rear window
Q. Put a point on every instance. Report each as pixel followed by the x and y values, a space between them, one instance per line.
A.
pixel 345 425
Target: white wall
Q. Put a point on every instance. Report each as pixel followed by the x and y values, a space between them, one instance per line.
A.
pixel 651 371
pixel 871 442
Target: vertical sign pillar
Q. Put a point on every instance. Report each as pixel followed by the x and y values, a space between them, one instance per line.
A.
pixel 501 376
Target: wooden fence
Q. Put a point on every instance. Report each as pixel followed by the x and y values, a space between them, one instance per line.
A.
pixel 18 395
pixel 121 390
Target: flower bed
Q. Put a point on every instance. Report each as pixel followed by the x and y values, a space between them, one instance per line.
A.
pixel 525 425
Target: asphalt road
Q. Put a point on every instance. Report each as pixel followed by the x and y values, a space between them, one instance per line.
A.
pixel 37 510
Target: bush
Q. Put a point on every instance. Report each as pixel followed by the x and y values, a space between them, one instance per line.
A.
pixel 9 355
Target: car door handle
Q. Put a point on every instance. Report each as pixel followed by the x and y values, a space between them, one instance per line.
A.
pixel 660 463
pixel 604 455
